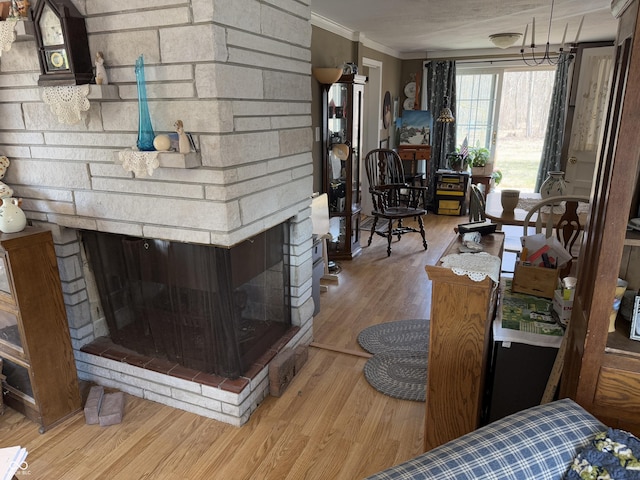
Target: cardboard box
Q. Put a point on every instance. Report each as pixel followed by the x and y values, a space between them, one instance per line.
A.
pixel 538 281
pixel 562 307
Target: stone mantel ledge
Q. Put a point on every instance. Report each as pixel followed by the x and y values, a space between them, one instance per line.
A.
pixel 103 92
pixel 173 159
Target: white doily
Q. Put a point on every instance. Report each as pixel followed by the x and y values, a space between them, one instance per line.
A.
pixel 527 203
pixel 138 162
pixel 7 34
pixel 67 101
pixel 476 266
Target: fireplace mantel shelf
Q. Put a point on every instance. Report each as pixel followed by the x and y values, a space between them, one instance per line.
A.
pixel 173 159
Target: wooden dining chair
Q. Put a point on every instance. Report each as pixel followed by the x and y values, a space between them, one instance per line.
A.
pixel 477 204
pixel 558 216
pixel 393 200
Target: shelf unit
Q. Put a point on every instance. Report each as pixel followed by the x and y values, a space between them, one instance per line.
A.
pixel 343 121
pixel 35 346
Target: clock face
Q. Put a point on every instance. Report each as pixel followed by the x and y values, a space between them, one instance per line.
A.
pixel 56 59
pixel 50 27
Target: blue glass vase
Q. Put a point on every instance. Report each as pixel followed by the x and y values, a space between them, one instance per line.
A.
pixel 145 129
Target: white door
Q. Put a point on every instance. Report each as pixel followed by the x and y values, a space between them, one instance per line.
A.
pixel 594 84
pixel 372 124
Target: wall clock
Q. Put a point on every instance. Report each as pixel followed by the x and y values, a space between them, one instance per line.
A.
pixel 63 46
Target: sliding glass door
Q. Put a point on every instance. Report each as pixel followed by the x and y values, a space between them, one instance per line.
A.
pixel 505 110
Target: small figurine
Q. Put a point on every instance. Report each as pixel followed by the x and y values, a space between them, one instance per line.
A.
pixel 5 190
pixel 184 146
pixel 101 72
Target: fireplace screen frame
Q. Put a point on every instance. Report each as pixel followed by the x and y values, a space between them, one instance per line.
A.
pixel 209 308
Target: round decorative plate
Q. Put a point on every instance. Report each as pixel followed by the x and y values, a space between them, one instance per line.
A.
pixel 410 89
pixel 408 104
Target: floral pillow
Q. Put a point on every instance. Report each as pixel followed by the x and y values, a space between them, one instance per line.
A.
pixel 612 455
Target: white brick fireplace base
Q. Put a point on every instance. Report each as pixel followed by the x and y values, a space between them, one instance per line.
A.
pixel 208 401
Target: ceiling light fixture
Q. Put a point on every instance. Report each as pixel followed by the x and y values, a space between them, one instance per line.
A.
pixel 504 40
pixel 534 60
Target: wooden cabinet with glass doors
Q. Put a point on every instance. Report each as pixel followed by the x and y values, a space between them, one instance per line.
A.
pixel 342 143
pixel 602 368
pixel 35 346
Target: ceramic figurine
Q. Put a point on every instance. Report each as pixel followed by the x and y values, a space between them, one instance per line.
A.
pixel 101 72
pixel 12 218
pixel 183 141
pixel 5 190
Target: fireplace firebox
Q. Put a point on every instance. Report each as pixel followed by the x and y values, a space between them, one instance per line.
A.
pixel 207 308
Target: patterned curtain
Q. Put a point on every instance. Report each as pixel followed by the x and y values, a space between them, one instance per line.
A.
pixel 555 125
pixel 588 119
pixel 440 82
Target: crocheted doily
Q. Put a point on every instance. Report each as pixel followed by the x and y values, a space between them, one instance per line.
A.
pixel 476 266
pixel 139 162
pixel 7 34
pixel 67 102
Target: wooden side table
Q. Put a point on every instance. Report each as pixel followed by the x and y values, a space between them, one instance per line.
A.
pixel 484 180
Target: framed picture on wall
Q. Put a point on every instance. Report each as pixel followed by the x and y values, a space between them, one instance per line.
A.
pixel 386 110
pixel 416 127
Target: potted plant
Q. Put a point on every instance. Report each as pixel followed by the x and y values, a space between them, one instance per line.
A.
pixel 456 162
pixel 478 158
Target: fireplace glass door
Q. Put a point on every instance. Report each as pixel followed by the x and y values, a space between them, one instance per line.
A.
pixel 208 308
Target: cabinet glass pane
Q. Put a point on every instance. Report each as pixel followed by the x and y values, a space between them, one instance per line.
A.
pixel 338 147
pixel 9 332
pixel 338 230
pixel 355 148
pixel 4 277
pixel 17 377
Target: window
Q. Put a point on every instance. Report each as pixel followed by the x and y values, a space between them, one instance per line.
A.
pixel 475 108
pixel 505 110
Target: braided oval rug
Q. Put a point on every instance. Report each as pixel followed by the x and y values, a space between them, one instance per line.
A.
pixel 398 367
pixel 398 374
pixel 406 335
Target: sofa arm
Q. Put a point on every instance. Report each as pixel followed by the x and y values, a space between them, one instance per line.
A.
pixel 539 442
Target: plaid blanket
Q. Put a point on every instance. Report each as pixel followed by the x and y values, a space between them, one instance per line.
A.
pixel 540 442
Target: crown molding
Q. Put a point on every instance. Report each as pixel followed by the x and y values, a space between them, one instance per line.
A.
pixel 334 27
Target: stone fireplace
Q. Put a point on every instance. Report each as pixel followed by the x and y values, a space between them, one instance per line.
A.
pixel 237 73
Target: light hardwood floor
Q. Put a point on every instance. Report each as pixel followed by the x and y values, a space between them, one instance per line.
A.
pixel 329 424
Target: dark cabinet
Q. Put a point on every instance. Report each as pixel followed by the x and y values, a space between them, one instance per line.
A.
pixel 342 154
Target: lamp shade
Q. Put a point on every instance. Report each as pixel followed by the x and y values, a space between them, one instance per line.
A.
pixel 327 76
pixel 504 40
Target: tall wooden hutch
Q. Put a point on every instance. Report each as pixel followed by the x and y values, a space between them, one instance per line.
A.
pixel 343 121
pixel 601 369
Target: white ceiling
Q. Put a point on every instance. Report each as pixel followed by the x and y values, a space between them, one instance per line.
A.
pixel 409 28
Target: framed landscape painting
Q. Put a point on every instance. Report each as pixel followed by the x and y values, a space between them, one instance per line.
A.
pixel 416 127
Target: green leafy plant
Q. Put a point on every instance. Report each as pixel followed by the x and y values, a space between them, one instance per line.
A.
pixel 478 156
pixel 456 162
pixel 497 176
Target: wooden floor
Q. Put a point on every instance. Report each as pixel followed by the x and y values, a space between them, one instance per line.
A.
pixel 329 424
